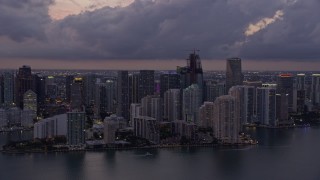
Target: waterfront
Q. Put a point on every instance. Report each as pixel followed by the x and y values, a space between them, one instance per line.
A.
pixel 281 154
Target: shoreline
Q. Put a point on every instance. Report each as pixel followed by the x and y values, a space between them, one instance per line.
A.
pixel 239 145
pixel 100 149
pixel 278 127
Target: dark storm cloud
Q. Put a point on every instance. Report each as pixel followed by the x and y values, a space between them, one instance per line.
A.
pixel 164 29
pixel 295 37
pixel 21 19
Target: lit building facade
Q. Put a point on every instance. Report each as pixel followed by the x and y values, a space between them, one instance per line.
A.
pixel 8 89
pixel 30 102
pixel 226 119
pixel 206 112
pixel 147 127
pixel 51 127
pixel 111 125
pixel 191 103
pixel 77 97
pixel 172 105
pixel 76 128
pixel 315 89
pixel 285 85
pixel 266 106
pixel 244 96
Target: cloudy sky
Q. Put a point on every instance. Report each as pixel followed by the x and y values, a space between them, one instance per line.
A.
pixel 157 34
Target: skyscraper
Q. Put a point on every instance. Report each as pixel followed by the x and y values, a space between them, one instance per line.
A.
pixel 123 107
pixel 192 73
pixel 134 88
pixel 135 112
pixel 146 83
pixel 206 113
pixel 244 96
pixel 226 121
pixel 282 108
pixel 76 127
pixel 234 74
pixel 51 88
pixel 8 89
pixel 100 94
pixel 110 96
pixel 89 81
pixel 24 82
pixel 301 92
pixel 40 90
pixel 266 106
pixel 30 102
pixel 169 81
pixel 1 90
pixel 285 85
pixel 77 100
pixel 69 81
pixel 150 107
pixel 191 103
pixel 111 125
pixel 213 90
pixel 146 127
pixel 301 81
pixel 315 89
pixel 172 105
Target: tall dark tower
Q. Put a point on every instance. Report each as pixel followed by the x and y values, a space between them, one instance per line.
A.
pixel 69 81
pixel 169 81
pixel 40 90
pixel 234 74
pixel 192 73
pixel 24 82
pixel 285 86
pixel 123 94
pixel 196 72
pixel 77 97
pixel 146 83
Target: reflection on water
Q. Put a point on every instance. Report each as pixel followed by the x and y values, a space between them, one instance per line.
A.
pixel 75 163
pixel 14 136
pixel 281 154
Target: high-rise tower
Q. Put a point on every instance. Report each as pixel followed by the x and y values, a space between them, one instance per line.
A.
pixel 234 74
pixel 191 103
pixel 301 92
pixel 315 89
pixel 146 83
pixel 244 96
pixel 123 107
pixel 285 86
pixel 226 121
pixel 24 82
pixel 8 89
pixel 134 88
pixel 77 100
pixel 192 73
pixel 169 81
pixel 266 106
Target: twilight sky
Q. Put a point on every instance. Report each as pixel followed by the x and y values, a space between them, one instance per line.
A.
pixel 157 34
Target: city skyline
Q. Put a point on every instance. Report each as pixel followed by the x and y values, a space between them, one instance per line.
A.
pixel 100 34
pixel 208 65
pixel 159 89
